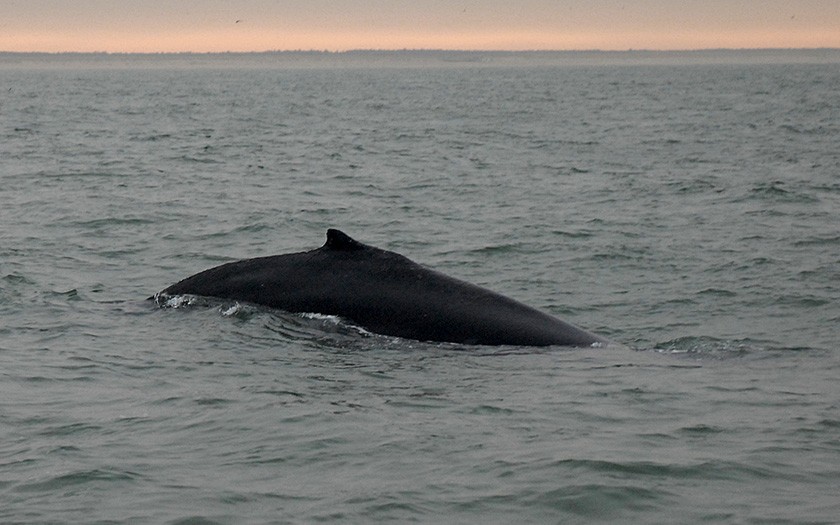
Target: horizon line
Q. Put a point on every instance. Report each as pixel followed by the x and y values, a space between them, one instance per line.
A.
pixel 422 50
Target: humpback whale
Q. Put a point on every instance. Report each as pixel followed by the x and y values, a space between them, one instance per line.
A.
pixel 384 293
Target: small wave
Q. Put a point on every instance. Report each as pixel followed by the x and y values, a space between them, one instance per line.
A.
pixel 573 235
pixel 800 130
pixel 153 137
pixel 818 240
pixel 237 310
pixel 597 500
pixel 70 295
pixel 802 300
pixel 109 222
pixel 17 279
pixel 70 430
pixel 232 310
pixel 704 346
pixel 719 292
pixel 498 248
pixel 62 482
pixel 14 285
pixel 705 470
pixel 177 301
pixel 196 520
pixel 778 191
pixel 314 328
pixel 339 322
pixel 701 429
pixel 188 158
pixel 212 401
pixel 321 317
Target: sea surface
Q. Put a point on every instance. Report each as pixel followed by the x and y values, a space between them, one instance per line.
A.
pixel 685 206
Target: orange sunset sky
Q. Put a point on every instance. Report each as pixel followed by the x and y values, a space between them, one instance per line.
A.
pixel 337 25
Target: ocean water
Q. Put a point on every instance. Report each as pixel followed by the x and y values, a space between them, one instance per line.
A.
pixel 686 208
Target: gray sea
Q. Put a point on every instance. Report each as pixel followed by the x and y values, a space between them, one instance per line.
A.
pixel 686 206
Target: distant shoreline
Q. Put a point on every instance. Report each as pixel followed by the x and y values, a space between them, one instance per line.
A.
pixel 417 58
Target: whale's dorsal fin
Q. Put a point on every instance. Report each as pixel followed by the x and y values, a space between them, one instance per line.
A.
pixel 338 240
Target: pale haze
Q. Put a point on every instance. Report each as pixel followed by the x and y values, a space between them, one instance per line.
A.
pixel 262 25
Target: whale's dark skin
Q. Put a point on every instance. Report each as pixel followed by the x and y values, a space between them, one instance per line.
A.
pixel 384 293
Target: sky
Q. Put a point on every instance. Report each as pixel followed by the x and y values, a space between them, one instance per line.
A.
pixel 121 26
